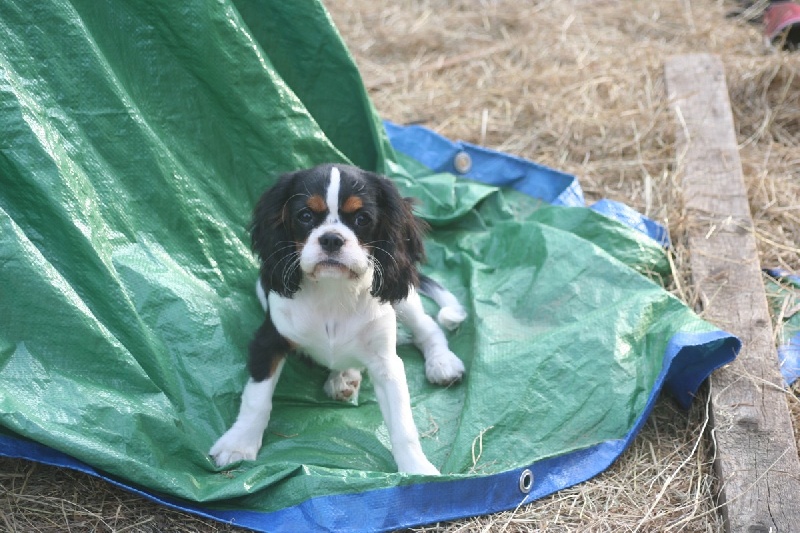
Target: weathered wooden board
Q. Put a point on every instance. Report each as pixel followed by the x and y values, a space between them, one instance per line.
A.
pixel 757 459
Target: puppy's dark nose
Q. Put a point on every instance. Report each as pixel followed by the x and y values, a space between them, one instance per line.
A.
pixel 331 242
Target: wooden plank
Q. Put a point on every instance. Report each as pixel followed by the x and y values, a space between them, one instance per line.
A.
pixel 756 460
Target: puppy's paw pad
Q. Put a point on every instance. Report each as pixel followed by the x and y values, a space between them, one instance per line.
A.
pixel 343 386
pixel 444 369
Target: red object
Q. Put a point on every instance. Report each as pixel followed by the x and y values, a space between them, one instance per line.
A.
pixel 783 18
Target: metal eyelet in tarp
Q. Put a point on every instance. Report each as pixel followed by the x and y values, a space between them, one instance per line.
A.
pixel 136 136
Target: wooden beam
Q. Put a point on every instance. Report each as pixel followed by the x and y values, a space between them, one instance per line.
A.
pixel 756 454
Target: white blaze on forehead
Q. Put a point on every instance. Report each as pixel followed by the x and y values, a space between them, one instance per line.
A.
pixel 332 198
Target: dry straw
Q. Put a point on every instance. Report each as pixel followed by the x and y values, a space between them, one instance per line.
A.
pixel 577 85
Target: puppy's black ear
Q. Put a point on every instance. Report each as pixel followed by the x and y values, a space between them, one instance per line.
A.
pixel 398 244
pixel 270 231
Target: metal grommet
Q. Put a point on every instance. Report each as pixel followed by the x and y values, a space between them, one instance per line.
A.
pixel 526 481
pixel 462 162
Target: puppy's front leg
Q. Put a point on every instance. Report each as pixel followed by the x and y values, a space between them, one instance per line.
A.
pixel 243 440
pixel 442 366
pixel 391 390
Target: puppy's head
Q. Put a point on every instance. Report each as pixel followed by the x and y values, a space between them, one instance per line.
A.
pixel 341 222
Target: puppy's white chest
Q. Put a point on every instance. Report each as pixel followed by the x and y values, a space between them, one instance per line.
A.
pixel 335 335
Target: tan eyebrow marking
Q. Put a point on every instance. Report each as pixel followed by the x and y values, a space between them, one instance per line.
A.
pixel 317 204
pixel 352 204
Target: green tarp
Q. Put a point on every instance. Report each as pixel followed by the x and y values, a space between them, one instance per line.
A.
pixel 135 137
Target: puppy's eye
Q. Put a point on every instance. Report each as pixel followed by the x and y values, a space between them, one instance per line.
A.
pixel 362 219
pixel 305 217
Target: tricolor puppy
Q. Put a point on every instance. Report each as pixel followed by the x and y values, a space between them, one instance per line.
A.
pixel 339 248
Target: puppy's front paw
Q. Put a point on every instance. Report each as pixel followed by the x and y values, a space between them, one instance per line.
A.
pixel 343 386
pixel 235 445
pixel 444 368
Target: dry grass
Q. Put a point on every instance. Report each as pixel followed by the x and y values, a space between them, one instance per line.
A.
pixel 44 499
pixel 577 85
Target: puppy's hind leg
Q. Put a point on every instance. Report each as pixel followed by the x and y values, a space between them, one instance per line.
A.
pixel 442 366
pixel 451 313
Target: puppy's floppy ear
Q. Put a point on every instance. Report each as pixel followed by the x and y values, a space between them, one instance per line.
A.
pixel 399 244
pixel 270 231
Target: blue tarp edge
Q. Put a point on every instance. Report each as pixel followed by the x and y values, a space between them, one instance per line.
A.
pixel 440 154
pixel 788 354
pixel 491 167
pixel 789 357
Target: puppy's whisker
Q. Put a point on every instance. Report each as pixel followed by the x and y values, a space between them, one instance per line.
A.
pixel 385 251
pixel 288 246
pixel 292 257
pixel 291 269
pixel 378 273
